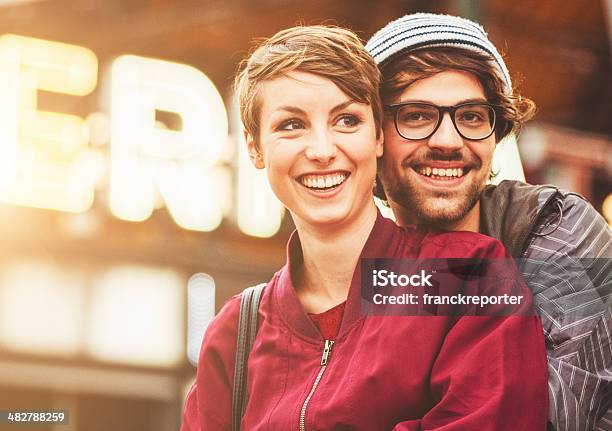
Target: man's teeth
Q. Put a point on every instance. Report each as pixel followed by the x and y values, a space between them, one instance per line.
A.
pixel 323 181
pixel 441 172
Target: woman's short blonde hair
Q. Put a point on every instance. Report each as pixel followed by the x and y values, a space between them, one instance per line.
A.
pixel 331 52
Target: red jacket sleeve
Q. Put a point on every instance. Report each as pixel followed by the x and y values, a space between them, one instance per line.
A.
pixel 483 382
pixel 208 407
pixel 491 372
pixel 191 419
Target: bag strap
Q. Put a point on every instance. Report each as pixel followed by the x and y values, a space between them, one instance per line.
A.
pixel 247 330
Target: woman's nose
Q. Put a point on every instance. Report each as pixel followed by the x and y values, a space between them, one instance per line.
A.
pixel 321 147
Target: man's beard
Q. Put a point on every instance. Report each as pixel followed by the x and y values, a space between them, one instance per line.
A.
pixel 441 209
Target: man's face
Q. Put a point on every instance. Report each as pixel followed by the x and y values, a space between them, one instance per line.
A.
pixel 407 169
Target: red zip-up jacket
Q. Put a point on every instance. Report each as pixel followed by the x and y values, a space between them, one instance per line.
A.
pixel 391 373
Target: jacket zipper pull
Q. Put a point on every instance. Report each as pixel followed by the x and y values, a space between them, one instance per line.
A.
pixel 324 359
pixel 326 351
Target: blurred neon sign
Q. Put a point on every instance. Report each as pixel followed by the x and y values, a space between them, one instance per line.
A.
pixel 39 150
pixel 44 159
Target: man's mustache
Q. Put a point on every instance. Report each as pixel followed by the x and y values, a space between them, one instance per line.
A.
pixel 435 156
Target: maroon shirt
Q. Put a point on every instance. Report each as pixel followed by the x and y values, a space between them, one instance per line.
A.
pixel 395 373
pixel 328 322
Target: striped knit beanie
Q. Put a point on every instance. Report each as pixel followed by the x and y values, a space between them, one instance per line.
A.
pixel 426 30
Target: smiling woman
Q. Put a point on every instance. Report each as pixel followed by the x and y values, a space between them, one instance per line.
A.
pixel 320 149
pixel 312 114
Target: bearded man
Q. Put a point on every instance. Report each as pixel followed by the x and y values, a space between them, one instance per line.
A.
pixel 449 101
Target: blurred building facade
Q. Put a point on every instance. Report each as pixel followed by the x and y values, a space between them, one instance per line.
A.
pixel 113 193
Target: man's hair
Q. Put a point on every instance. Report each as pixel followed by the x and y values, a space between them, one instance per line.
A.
pixel 331 52
pixel 402 70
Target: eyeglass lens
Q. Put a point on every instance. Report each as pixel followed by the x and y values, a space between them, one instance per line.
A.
pixel 418 121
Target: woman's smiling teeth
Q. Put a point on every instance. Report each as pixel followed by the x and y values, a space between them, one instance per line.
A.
pixel 322 182
pixel 441 173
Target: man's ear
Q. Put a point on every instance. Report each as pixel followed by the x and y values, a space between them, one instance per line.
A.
pixel 380 144
pixel 254 152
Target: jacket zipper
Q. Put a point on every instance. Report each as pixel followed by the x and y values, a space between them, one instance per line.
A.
pixel 324 360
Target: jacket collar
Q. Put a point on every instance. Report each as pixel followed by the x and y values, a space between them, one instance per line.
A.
pixel 386 240
pixel 509 211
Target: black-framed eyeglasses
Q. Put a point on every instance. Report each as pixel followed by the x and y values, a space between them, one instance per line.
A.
pixel 416 121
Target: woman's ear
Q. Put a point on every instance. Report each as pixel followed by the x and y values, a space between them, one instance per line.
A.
pixel 380 144
pixel 254 152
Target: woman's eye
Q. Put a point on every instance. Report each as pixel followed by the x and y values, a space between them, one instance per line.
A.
pixel 348 121
pixel 291 125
